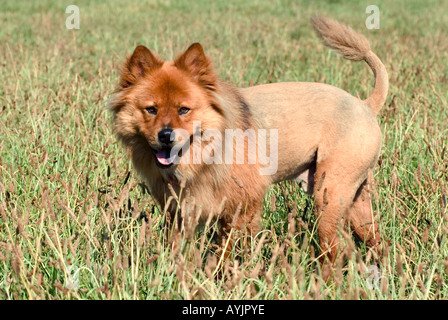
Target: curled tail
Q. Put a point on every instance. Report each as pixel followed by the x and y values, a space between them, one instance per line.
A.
pixel 354 46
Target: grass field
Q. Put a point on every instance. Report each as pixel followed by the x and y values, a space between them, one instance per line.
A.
pixel 75 220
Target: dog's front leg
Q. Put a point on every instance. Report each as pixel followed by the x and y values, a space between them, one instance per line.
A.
pixel 245 222
pixel 173 226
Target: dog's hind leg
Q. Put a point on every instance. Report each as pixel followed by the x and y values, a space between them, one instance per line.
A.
pixel 334 190
pixel 361 216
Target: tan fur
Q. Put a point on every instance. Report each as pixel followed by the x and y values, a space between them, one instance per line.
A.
pixel 328 139
pixel 354 46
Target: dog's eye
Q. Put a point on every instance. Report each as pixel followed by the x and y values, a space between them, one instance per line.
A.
pixel 183 110
pixel 152 110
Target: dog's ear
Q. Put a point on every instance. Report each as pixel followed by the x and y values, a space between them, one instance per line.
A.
pixel 198 65
pixel 138 65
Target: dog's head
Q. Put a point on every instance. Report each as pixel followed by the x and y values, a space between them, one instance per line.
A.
pixel 158 102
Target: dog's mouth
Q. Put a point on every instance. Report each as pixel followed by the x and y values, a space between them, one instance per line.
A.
pixel 164 157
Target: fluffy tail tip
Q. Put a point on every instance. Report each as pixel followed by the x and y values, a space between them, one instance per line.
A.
pixel 350 44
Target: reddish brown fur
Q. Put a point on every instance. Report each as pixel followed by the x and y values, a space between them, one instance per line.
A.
pixel 220 190
pixel 325 136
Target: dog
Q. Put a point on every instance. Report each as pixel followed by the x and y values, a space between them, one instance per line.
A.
pixel 327 139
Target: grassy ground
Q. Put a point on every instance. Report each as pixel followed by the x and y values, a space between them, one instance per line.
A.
pixel 75 222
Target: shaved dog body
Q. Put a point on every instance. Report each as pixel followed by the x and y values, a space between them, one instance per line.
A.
pixel 328 140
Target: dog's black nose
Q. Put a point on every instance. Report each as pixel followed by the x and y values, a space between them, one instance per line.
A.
pixel 164 136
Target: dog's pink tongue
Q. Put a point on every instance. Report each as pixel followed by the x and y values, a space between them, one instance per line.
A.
pixel 163 156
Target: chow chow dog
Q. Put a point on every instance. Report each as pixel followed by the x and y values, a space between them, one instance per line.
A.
pixel 173 117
